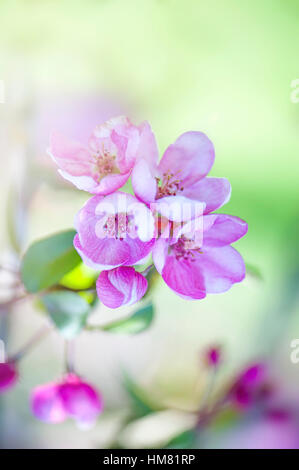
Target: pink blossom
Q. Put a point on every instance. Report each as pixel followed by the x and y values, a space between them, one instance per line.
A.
pixel 121 286
pixel 181 175
pixel 250 386
pixel 105 164
pixel 70 398
pixel 46 403
pixel 113 231
pixel 8 375
pixel 195 266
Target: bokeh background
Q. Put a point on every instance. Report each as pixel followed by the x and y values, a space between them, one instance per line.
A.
pixel 221 67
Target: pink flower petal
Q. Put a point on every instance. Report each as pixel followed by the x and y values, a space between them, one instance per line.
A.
pixel 121 286
pixel 215 192
pixel 190 158
pixel 221 268
pixel 143 182
pixel 148 149
pixel 85 183
pixel 80 400
pixel 178 208
pixel 184 277
pixel 110 183
pixel 160 252
pixel 103 254
pixel 98 241
pixel 70 156
pixel 46 403
pixel 8 376
pixel 224 230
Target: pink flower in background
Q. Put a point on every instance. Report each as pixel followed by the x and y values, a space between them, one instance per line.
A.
pixel 262 433
pixel 213 356
pixel 209 265
pixel 121 286
pixel 113 231
pixel 8 376
pixel 105 164
pixel 250 386
pixel 180 176
pixel 70 398
pixel 46 403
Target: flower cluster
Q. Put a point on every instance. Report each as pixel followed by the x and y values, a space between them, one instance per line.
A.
pixel 170 216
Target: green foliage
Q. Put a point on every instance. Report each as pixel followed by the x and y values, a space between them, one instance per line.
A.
pixel 68 311
pixel 141 403
pixel 81 277
pixel 254 271
pixel 138 322
pixel 48 260
pixel 184 440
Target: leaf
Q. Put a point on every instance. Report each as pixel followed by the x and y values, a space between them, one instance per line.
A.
pixel 142 404
pixel 68 311
pixel 185 440
pixel 254 271
pixel 48 260
pixel 137 323
pixel 81 277
pixel 153 277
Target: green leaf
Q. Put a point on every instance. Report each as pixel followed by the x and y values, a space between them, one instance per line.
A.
pixel 48 260
pixel 81 277
pixel 137 323
pixel 185 440
pixel 68 311
pixel 254 271
pixel 142 404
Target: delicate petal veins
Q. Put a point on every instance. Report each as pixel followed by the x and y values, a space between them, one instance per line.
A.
pixel 121 286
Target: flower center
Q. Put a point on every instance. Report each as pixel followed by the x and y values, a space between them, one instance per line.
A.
pixel 119 225
pixel 105 164
pixel 168 185
pixel 185 249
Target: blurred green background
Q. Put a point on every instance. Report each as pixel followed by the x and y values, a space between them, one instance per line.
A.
pixel 221 67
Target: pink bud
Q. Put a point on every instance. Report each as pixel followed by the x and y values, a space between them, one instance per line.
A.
pixel 8 376
pixel 80 400
pixel 121 286
pixel 253 375
pixel 71 398
pixel 250 386
pixel 213 356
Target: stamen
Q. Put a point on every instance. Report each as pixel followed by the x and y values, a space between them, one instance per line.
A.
pixel 182 251
pixel 118 226
pixel 105 164
pixel 168 185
